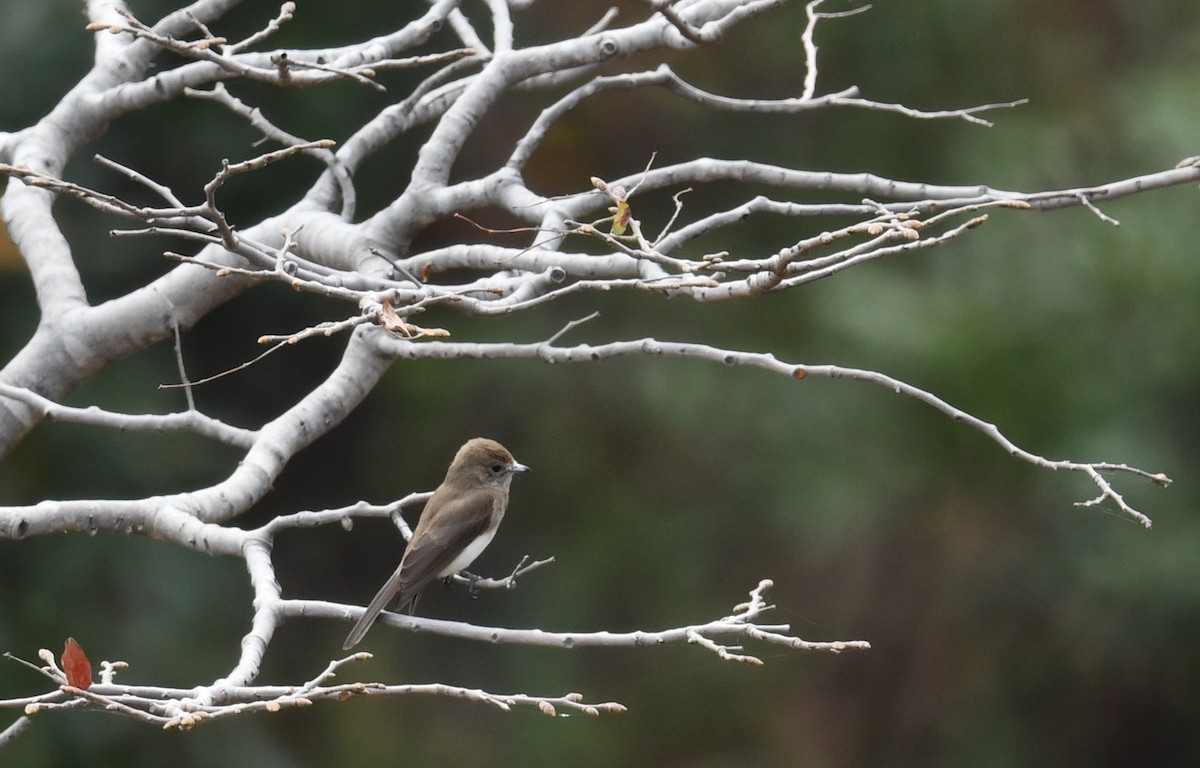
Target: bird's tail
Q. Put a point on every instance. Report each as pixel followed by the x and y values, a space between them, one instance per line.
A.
pixel 378 603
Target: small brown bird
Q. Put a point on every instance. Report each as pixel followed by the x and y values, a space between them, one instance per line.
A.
pixel 458 522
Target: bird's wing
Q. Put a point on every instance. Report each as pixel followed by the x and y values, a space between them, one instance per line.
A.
pixel 434 546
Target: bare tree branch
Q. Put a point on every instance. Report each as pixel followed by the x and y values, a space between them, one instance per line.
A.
pixel 377 268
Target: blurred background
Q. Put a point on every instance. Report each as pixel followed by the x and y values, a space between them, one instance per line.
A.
pixel 1009 627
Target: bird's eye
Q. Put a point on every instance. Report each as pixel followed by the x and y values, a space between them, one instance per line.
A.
pixel 497 469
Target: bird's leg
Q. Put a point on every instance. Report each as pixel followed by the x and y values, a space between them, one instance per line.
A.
pixel 472 587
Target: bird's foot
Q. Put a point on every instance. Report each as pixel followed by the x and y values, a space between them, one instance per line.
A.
pixel 473 586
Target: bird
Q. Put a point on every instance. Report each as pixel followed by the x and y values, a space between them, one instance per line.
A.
pixel 458 522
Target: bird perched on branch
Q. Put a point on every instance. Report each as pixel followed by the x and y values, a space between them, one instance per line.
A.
pixel 458 522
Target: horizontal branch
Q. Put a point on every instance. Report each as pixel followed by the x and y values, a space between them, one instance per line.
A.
pixel 742 623
pixel 650 347
pixel 183 708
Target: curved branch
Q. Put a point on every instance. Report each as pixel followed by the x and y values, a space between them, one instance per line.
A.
pixel 547 352
pixel 186 421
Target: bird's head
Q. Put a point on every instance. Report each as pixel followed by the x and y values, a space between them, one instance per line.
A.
pixel 484 461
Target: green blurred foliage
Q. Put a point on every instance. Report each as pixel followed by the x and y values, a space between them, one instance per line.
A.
pixel 1008 626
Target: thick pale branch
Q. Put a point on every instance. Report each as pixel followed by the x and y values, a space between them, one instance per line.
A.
pixel 267 593
pixel 709 22
pixel 153 518
pixel 274 445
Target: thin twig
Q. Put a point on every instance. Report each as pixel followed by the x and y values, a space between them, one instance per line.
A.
pixel 571 325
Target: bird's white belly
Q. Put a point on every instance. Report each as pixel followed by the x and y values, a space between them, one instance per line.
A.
pixel 468 555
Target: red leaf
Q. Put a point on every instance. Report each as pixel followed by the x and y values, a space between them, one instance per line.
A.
pixel 75 663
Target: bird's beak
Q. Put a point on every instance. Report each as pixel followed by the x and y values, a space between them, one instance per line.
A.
pixel 518 467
